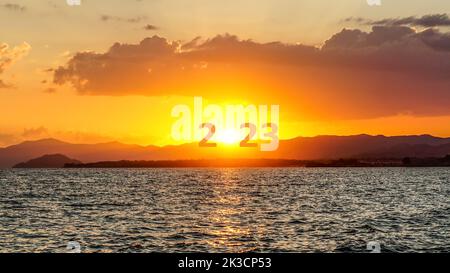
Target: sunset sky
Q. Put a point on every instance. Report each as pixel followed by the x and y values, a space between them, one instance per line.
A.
pixel 111 70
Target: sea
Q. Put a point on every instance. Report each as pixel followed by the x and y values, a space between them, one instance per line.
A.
pixel 214 210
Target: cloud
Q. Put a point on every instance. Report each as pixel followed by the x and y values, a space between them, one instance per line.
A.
pixel 13 7
pixel 432 20
pixel 33 133
pixel 155 65
pixel 150 27
pixel 50 90
pixel 8 56
pixel 353 39
pixel 356 74
pixel 137 19
pixel 4 85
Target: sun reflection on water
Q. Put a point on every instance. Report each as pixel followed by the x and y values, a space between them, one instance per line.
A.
pixel 228 215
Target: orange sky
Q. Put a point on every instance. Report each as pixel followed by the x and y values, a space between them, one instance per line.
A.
pixel 96 77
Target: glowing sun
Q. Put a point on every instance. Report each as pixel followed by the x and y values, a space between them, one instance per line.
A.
pixel 229 136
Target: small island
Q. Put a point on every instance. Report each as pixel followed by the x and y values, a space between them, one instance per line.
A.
pixel 48 161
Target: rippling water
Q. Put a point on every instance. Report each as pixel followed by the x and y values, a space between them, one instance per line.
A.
pixel 225 210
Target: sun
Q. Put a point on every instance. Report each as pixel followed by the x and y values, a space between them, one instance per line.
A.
pixel 229 136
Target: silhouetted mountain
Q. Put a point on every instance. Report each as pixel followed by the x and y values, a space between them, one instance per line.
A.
pixel 48 161
pixel 301 148
pixel 408 150
pixel 15 154
pixel 359 146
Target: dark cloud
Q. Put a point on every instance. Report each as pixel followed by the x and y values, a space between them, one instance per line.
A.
pixel 350 39
pixel 436 39
pixel 150 27
pixel 387 71
pixel 432 20
pixel 13 7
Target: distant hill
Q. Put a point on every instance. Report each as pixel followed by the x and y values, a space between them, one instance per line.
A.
pixel 48 161
pixel 301 148
pixel 408 150
pixel 362 146
pixel 25 151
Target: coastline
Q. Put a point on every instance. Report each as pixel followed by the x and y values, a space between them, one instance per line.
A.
pixel 269 163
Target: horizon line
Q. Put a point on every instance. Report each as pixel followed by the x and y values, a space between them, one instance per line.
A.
pixel 191 143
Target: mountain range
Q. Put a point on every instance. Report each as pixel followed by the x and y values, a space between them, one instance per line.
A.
pixel 301 148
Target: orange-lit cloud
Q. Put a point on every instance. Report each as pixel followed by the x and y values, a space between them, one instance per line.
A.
pixel 388 71
pixel 8 56
pixel 35 133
